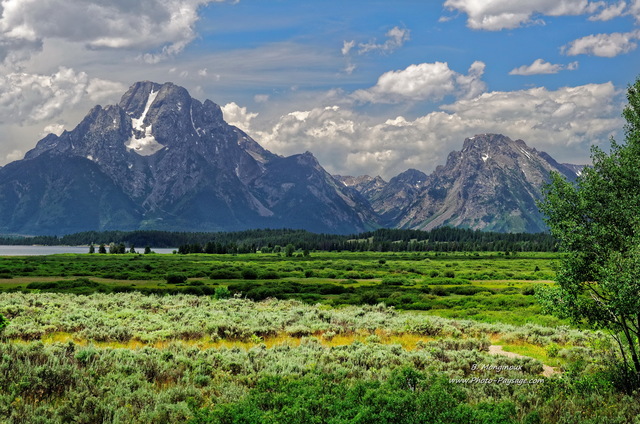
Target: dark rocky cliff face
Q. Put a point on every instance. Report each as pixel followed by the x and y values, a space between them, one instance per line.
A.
pixel 57 194
pixel 182 167
pixel 492 184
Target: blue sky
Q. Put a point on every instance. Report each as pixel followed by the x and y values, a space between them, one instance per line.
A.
pixel 370 87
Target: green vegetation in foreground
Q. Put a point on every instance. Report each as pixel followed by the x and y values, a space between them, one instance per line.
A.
pixel 134 358
pixel 490 287
pixel 596 222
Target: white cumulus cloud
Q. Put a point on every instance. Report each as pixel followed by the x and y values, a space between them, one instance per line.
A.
pixel 166 25
pixel 603 45
pixel 565 116
pixel 610 12
pixel 496 15
pixel 426 81
pixel 346 142
pixel 238 116
pixel 634 10
pixel 56 129
pixel 29 98
pixel 540 66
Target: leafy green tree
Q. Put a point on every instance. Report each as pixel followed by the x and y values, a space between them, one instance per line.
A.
pixel 289 249
pixel 597 223
pixel 132 249
pixel 102 249
pixel 92 248
pixel 147 250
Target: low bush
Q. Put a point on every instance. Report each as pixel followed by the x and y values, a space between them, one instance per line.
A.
pixel 224 274
pixel 446 281
pixel 466 290
pixel 268 275
pixel 221 293
pixel 393 281
pixel 406 397
pixel 249 274
pixel 176 278
pixel 77 286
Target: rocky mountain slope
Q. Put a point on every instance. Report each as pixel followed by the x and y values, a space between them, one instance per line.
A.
pixel 492 184
pixel 163 160
pixel 388 199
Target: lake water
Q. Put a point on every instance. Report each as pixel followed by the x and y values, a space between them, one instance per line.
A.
pixel 52 250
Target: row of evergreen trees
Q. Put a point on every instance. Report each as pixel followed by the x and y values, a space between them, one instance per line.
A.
pixel 272 240
pixel 114 248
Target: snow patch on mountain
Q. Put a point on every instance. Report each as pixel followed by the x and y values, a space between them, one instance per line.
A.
pixel 144 145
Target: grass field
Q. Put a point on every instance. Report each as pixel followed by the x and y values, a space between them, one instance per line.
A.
pixel 267 338
pixel 481 286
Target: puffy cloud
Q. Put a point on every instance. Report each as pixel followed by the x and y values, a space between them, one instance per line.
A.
pixel 238 116
pixel 471 85
pixel 608 13
pixel 423 81
pixel 603 45
pixel 16 50
pixel 426 81
pixel 539 66
pixel 29 98
pixel 634 10
pixel 147 24
pixel 343 141
pixel 505 14
pixel 565 116
pixel 346 142
pixel 56 129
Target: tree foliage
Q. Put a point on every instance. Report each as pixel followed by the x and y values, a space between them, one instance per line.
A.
pixel 597 223
pixel 443 239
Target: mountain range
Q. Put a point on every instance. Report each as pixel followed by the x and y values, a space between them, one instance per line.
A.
pixel 163 160
pixel 492 184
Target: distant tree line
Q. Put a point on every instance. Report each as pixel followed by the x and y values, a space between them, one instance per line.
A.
pixel 443 239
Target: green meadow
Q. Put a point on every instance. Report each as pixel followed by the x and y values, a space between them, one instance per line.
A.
pixel 315 337
pixel 491 287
